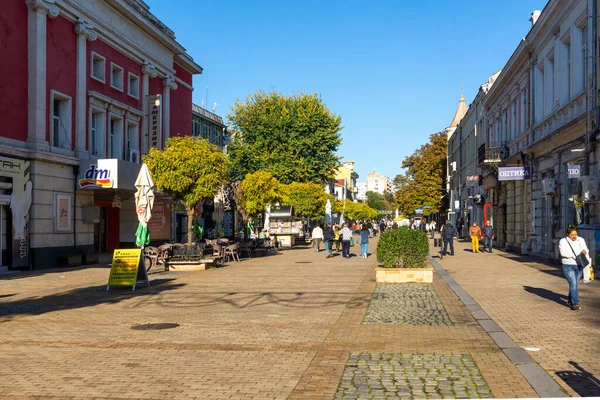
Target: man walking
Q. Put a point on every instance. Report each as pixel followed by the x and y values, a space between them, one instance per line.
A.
pixel 448 233
pixel 488 236
pixel 328 236
pixel 432 228
pixel 317 237
pixel 345 235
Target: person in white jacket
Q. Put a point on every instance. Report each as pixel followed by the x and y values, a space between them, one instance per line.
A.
pixel 570 247
pixel 317 237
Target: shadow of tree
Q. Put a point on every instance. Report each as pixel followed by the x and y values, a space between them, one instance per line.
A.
pixel 246 300
pixel 581 381
pixel 14 275
pixel 548 295
pixel 82 297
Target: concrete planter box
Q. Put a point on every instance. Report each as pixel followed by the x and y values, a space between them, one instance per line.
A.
pixel 187 265
pixel 404 275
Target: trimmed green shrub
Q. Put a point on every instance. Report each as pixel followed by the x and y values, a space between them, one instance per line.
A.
pixel 403 248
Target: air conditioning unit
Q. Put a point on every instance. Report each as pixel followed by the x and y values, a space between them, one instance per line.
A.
pixel 589 187
pixel 548 186
pixel 133 156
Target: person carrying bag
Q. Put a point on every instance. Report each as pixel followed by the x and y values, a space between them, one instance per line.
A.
pixel 575 257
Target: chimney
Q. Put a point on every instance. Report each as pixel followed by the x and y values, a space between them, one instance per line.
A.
pixel 534 16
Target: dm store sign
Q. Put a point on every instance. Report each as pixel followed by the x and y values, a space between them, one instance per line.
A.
pixel 101 175
pixel 520 173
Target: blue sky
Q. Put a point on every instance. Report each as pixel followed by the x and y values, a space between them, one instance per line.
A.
pixel 392 69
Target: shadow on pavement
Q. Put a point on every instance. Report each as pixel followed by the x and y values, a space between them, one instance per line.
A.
pixel 548 294
pixel 581 381
pixel 247 300
pixel 82 297
pixel 13 275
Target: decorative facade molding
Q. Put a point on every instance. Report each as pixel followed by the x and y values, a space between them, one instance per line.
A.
pixel 46 6
pixel 149 69
pixel 85 29
pixel 169 82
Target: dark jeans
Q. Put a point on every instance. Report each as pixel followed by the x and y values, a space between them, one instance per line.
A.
pixel 345 248
pixel 446 242
pixel 489 243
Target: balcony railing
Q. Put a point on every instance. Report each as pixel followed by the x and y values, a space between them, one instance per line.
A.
pixel 493 154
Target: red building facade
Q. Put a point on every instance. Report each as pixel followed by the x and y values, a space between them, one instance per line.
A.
pixel 88 87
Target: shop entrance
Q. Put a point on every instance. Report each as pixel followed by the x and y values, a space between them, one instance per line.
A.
pixel 106 231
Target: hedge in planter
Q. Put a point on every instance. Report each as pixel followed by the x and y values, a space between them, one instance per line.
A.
pixel 403 248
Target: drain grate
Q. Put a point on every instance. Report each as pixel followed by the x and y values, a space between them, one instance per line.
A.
pixel 303 262
pixel 154 327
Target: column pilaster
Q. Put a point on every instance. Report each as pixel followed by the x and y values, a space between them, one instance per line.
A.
pixel 38 12
pixel 168 85
pixel 84 33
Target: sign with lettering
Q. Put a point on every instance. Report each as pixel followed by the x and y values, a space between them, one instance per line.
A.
pixel 574 171
pixel 519 173
pixel 155 121
pixel 124 268
pixel 102 175
pixel 473 180
pixel 160 221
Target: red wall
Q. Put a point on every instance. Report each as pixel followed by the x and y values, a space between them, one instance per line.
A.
pixel 181 111
pixel 61 63
pixel 13 69
pixel 181 105
pixel 182 74
pixel 122 61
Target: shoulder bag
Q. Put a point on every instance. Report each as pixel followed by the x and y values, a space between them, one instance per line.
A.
pixel 581 260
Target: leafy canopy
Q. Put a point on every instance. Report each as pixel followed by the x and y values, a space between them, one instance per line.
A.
pixel 307 199
pixel 377 201
pixel 355 211
pixel 423 182
pixel 295 137
pixel 259 190
pixel 189 169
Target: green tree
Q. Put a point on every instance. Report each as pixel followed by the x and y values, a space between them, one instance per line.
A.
pixel 423 182
pixel 190 170
pixel 295 138
pixel 307 199
pixel 355 211
pixel 260 189
pixel 377 201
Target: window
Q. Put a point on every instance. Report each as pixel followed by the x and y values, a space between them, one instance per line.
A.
pixel 115 138
pixel 97 133
pixel 133 85
pixel 196 127
pixel 98 67
pixel 116 77
pixel 132 152
pixel 62 120
pixel 205 128
pixel 523 113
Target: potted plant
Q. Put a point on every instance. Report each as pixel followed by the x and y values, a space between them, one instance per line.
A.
pixel 402 254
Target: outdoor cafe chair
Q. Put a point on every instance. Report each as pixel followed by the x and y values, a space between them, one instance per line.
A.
pixel 232 251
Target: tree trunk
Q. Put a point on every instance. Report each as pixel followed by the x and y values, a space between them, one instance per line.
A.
pixel 190 221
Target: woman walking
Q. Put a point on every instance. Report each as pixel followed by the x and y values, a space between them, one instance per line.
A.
pixel 570 247
pixel 328 239
pixel 346 235
pixel 488 236
pixel 475 233
pixel 364 241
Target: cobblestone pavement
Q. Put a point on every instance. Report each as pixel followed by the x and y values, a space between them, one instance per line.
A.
pixel 406 304
pixel 527 299
pixel 416 376
pixel 273 327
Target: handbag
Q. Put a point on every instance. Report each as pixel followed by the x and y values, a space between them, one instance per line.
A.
pixel 581 260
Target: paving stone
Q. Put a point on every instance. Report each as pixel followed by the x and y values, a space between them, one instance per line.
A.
pixel 408 384
pixel 406 304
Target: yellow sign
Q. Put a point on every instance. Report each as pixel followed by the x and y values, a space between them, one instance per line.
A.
pixel 124 268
